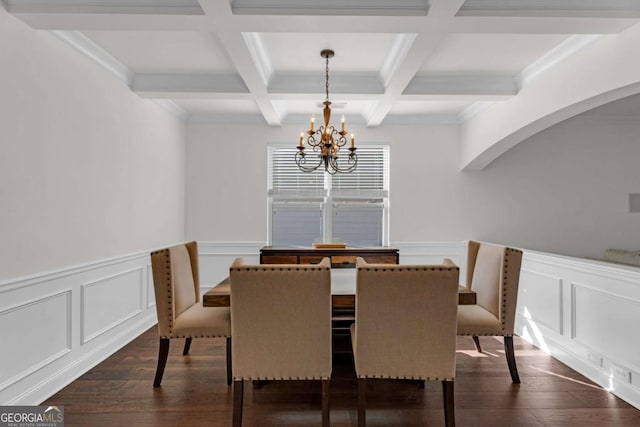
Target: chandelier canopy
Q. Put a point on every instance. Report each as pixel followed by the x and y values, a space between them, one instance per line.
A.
pixel 326 141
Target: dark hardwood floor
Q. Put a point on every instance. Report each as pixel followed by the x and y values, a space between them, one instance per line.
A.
pixel 119 392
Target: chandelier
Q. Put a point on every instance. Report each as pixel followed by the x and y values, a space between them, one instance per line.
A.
pixel 327 140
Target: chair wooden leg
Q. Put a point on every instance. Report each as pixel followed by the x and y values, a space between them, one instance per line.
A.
pixel 362 399
pixel 476 341
pixel 511 359
pixel 229 373
pixel 163 354
pixel 449 406
pixel 325 403
pixel 238 394
pixel 187 346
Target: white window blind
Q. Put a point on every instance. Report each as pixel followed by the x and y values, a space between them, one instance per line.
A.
pixel 296 224
pixel 285 179
pixel 317 207
pixel 370 177
pixel 358 223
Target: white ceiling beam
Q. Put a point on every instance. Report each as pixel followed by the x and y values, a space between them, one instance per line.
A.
pixel 189 86
pixel 307 86
pixel 422 47
pixel 314 83
pixel 241 56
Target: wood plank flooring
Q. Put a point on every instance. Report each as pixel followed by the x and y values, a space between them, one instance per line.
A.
pixel 119 392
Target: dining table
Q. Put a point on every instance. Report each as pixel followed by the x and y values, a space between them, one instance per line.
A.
pixel 343 292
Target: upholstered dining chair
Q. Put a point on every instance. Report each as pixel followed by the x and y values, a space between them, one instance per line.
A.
pixel 406 326
pixel 281 326
pixel 493 272
pixel 180 312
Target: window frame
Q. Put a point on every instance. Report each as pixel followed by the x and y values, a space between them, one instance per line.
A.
pixel 327 198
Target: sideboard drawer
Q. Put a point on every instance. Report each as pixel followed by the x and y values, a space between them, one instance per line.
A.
pixel 343 260
pixel 279 259
pixel 311 259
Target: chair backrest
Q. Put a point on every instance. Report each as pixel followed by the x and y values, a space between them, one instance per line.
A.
pixel 493 272
pixel 176 282
pixel 406 320
pixel 281 320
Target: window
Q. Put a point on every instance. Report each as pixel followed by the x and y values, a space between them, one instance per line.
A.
pixel 316 207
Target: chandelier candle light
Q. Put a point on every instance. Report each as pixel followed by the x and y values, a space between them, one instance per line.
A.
pixel 327 140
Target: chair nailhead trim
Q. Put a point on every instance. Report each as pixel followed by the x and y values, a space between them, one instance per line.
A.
pixel 410 269
pixel 393 377
pixel 246 268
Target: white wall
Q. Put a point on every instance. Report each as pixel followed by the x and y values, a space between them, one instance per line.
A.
pixel 565 190
pixel 91 178
pixel 87 169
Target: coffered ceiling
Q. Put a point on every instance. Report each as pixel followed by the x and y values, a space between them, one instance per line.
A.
pixel 397 61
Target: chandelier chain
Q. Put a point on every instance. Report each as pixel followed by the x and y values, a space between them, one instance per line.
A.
pixel 327 77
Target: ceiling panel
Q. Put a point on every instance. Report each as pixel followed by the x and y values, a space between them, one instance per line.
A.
pixel 582 8
pixel 331 7
pixel 491 53
pixel 164 52
pixel 301 51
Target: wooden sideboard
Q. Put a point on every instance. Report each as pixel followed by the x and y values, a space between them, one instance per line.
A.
pixel 340 257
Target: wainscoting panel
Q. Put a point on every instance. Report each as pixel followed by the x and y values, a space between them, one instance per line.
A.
pixel 56 326
pixel 606 323
pixel 28 348
pixel 110 301
pixel 585 313
pixel 540 298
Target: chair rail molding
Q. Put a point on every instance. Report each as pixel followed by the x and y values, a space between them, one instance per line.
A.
pixel 584 313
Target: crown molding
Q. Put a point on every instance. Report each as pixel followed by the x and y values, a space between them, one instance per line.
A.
pixel 473 109
pixel 173 108
pixel 89 48
pixel 556 55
